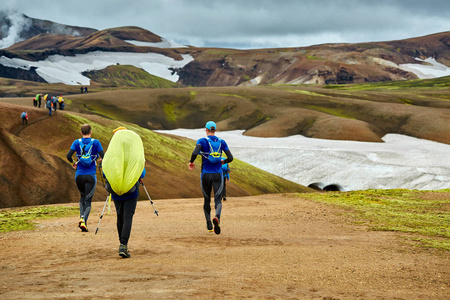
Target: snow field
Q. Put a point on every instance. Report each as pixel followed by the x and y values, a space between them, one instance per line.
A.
pixel 399 162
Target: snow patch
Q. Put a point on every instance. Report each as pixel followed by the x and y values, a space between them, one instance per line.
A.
pixel 253 82
pixel 427 71
pixel 68 69
pixel 400 162
pixel 163 44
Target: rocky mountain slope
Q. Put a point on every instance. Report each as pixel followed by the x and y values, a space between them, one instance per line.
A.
pixel 318 64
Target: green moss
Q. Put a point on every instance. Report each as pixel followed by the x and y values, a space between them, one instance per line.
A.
pixel 331 111
pixel 173 111
pixel 169 110
pixel 406 101
pixel 128 76
pixel 418 213
pixel 22 219
pixel 97 130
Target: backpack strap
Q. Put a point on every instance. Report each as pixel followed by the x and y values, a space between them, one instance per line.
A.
pixel 210 147
pixel 91 142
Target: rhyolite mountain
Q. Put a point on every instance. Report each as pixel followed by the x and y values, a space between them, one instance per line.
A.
pixel 318 64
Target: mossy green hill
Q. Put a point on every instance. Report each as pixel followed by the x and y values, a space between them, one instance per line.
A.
pixel 128 76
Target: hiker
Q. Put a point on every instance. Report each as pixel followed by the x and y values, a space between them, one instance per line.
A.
pixel 226 178
pixel 61 102
pixel 48 104
pixel 45 99
pixel 211 176
pixel 85 90
pixel 123 167
pixel 24 117
pixel 34 102
pixel 38 100
pixel 81 90
pixel 55 103
pixel 87 151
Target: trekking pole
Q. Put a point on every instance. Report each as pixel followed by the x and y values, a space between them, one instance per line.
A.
pixel 101 173
pixel 156 212
pixel 104 185
pixel 104 206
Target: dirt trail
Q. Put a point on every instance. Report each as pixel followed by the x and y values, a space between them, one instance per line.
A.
pixel 271 246
pixel 17 129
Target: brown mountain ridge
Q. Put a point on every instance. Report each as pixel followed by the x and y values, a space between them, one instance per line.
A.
pixel 318 64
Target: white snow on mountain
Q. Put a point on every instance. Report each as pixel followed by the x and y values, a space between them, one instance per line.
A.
pixel 68 69
pixel 164 44
pixel 400 162
pixel 429 68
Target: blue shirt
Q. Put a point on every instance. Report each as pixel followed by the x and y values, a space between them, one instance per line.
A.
pixel 226 171
pixel 208 167
pixel 96 148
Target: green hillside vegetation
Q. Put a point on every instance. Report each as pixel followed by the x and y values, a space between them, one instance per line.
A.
pixel 23 218
pixel 423 215
pixel 128 76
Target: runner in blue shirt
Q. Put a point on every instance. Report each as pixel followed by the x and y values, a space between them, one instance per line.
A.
pixel 210 148
pixel 85 175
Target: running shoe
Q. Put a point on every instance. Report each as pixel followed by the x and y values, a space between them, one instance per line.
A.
pixel 123 251
pixel 216 225
pixel 81 221
pixel 83 227
pixel 209 226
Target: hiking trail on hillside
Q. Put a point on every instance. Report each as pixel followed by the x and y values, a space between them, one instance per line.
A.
pixel 271 246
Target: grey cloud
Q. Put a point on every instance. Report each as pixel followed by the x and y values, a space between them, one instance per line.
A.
pixel 255 22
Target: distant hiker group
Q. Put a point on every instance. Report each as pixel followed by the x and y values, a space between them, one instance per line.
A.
pixel 122 168
pixel 83 90
pixel 51 102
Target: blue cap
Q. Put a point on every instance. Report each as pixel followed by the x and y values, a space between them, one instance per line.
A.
pixel 210 125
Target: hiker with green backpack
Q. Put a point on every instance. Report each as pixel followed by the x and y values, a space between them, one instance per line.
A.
pixel 211 148
pixel 123 167
pixel 87 150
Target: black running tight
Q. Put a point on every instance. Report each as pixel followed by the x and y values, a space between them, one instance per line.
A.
pixel 86 185
pixel 125 210
pixel 209 182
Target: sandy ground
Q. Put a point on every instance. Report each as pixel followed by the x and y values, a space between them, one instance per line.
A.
pixel 271 247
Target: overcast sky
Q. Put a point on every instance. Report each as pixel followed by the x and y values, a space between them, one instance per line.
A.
pixel 252 23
